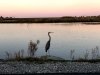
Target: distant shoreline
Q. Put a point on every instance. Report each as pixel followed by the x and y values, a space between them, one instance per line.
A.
pixel 66 19
pixel 86 23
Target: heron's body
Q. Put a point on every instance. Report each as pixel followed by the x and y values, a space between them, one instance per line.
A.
pixel 48 43
pixel 47 46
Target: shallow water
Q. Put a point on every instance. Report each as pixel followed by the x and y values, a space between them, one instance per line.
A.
pixel 66 36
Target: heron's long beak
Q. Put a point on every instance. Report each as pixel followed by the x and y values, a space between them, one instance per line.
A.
pixel 51 32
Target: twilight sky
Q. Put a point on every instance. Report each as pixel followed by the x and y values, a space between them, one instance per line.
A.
pixel 49 8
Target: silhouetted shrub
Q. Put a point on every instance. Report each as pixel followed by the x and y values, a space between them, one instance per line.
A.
pixel 86 55
pixel 95 52
pixel 8 54
pixel 72 54
pixel 32 48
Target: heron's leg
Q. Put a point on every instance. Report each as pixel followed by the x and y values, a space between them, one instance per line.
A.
pixel 48 52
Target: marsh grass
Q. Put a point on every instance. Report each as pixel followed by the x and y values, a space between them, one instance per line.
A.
pixel 72 54
pixel 86 55
pixel 7 54
pixel 94 52
pixel 33 47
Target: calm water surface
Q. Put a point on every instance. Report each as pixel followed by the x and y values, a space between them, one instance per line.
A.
pixel 66 36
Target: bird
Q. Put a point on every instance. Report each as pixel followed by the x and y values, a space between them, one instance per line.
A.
pixel 48 43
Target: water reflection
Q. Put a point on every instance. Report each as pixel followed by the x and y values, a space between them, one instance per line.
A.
pixel 66 37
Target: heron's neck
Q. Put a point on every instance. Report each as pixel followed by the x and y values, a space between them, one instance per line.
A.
pixel 49 37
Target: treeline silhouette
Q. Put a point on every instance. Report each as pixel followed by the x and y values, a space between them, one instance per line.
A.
pixel 51 19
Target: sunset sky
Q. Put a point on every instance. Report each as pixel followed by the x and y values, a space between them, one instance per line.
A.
pixel 49 8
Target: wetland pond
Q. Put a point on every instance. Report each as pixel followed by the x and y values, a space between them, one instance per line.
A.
pixel 66 37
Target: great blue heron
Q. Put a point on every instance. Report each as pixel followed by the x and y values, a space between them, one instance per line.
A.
pixel 48 43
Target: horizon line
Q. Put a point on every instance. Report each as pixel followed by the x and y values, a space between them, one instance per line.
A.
pixel 48 16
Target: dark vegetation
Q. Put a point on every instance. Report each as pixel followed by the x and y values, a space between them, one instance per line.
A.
pixel 32 48
pixel 51 19
pixel 19 56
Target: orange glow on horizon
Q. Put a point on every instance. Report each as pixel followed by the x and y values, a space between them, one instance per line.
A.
pixel 42 8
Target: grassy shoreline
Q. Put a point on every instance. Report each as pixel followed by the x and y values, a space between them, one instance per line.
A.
pixel 64 19
pixel 39 60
